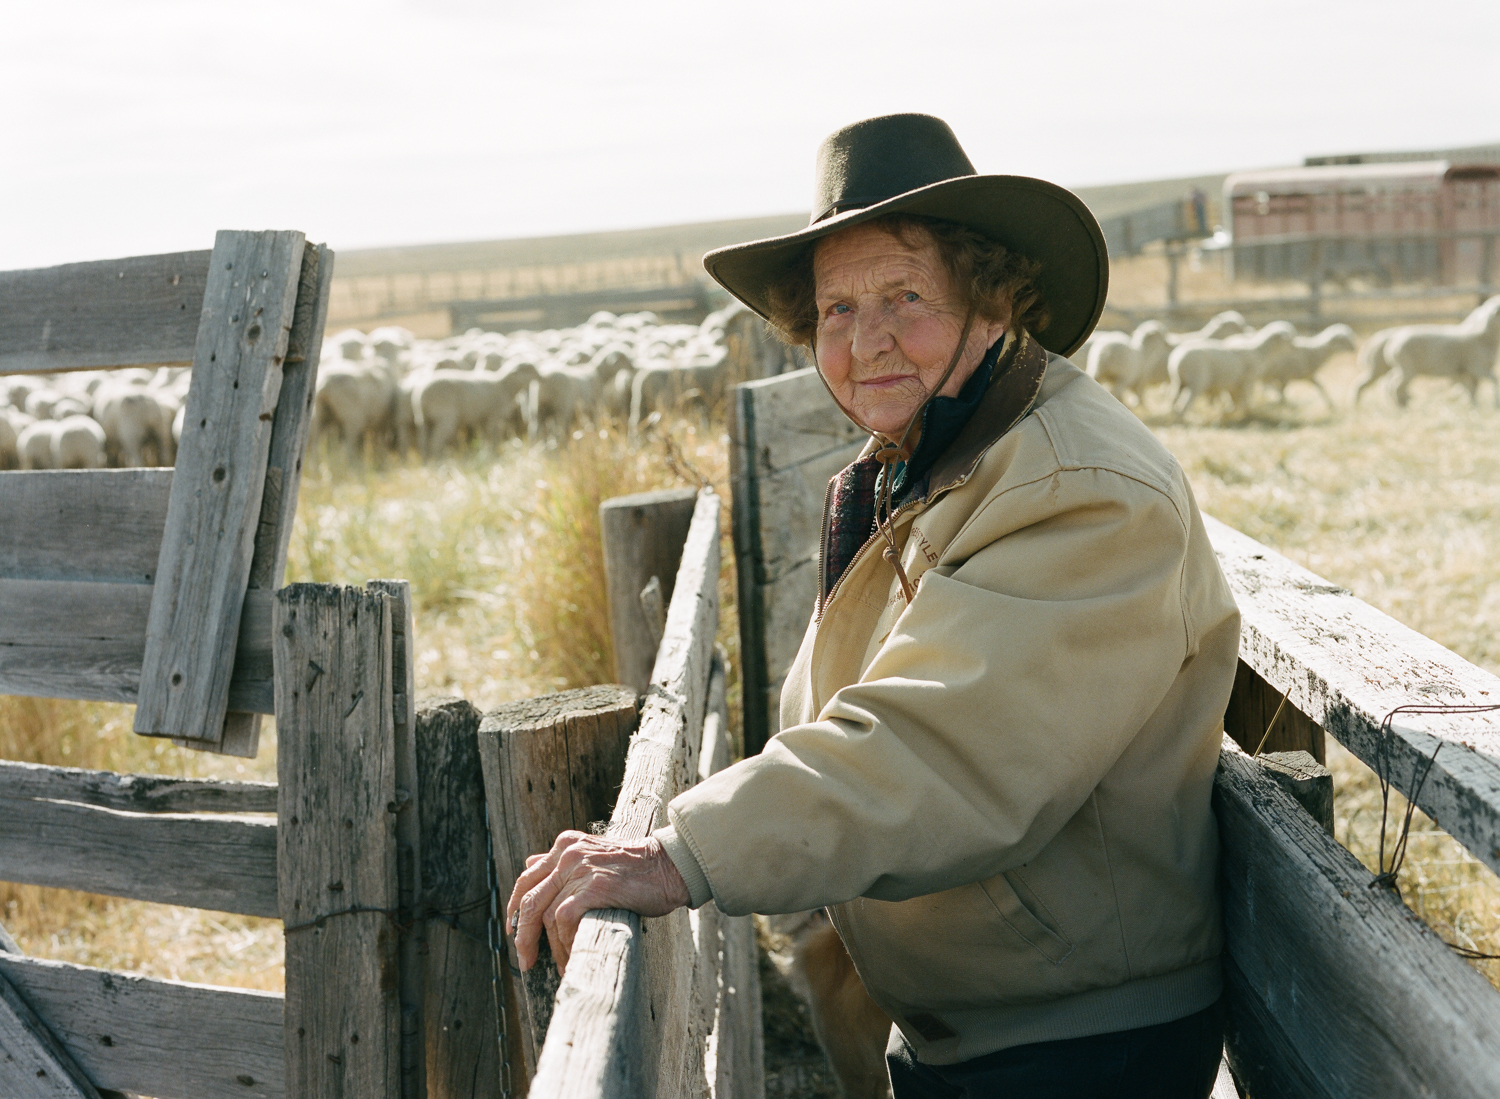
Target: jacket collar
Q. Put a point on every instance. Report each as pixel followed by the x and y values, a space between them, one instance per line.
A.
pixel 1011 395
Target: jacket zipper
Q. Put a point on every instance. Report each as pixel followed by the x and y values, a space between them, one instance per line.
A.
pixel 822 569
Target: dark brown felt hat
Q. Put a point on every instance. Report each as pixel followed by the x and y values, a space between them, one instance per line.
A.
pixel 913 164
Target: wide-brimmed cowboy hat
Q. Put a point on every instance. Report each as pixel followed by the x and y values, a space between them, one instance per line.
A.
pixel 913 164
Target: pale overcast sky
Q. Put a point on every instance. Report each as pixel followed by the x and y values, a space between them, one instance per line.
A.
pixel 142 126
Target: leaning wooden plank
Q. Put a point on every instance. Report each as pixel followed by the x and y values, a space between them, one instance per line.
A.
pixel 134 793
pixel 1346 666
pixel 221 863
pixel 152 1037
pixel 85 640
pixel 788 438
pixel 791 511
pixel 289 427
pixel 212 517
pixel 83 524
pixel 123 312
pixel 620 1013
pixel 1335 988
pixel 336 748
pixel 791 418
pixel 34 1064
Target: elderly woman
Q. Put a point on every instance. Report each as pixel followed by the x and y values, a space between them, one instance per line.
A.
pixel 999 737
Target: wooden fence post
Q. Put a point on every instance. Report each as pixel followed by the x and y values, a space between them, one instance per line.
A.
pixel 1260 720
pixel 337 846
pixel 463 1057
pixel 643 536
pixel 626 1021
pixel 550 764
pixel 410 885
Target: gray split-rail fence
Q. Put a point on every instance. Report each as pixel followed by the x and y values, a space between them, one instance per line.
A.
pixel 1335 989
pixel 395 830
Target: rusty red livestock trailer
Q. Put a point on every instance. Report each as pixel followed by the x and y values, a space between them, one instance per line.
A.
pixel 1422 221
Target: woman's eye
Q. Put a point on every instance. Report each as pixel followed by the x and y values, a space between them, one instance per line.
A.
pixel 839 310
pixel 911 295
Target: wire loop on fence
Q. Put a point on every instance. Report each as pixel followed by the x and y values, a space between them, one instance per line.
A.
pixel 447 915
pixel 1387 878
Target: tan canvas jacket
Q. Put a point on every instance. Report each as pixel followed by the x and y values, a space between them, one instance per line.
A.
pixel 1002 790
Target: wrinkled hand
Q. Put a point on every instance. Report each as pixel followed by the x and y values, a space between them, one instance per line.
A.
pixel 583 873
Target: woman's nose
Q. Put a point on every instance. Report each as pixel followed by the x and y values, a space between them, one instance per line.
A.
pixel 872 333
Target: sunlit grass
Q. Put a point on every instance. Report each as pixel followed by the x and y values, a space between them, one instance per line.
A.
pixel 1403 509
pixel 502 551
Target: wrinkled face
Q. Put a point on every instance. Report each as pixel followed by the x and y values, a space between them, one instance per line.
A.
pixel 889 319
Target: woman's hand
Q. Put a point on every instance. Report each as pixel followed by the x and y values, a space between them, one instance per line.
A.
pixel 582 873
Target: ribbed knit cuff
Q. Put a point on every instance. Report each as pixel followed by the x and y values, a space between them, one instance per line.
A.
pixel 686 862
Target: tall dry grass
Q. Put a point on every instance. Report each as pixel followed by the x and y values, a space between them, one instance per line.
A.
pixel 1403 509
pixel 502 552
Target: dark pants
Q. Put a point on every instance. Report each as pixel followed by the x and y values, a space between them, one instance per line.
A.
pixel 1176 1060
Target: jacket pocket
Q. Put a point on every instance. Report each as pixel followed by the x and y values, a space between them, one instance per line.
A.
pixel 1005 891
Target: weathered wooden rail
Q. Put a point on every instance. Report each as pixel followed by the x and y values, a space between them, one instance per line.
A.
pixel 666 1007
pixel 380 847
pixel 1334 988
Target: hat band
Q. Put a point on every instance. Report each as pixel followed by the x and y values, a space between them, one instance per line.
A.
pixel 844 208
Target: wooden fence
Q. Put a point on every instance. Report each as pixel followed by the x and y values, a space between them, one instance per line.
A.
pixel 1334 988
pixel 390 841
pixel 666 1007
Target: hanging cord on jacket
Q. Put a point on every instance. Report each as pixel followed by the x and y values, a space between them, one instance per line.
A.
pixel 890 454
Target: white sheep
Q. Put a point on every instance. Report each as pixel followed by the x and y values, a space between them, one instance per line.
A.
pixel 1306 357
pixel 1371 361
pixel 1231 365
pixel 34 445
pixel 78 443
pixel 1130 365
pixel 10 456
pixel 1464 353
pixel 447 402
pixel 354 401
pixel 1219 326
pixel 40 403
pixel 134 418
pixel 559 395
pixel 664 386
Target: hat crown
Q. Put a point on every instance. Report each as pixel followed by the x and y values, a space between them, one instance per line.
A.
pixel 878 158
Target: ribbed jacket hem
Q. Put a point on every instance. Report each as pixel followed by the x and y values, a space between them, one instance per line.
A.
pixel 1147 1001
pixel 686 860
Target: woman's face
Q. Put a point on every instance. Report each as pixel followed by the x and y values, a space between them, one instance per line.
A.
pixel 889 318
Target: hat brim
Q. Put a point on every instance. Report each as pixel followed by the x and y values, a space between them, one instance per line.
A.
pixel 1037 219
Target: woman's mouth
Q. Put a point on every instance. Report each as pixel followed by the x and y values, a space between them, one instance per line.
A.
pixel 883 381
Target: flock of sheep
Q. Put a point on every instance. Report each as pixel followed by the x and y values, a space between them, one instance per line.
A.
pixel 388 389
pixel 1230 357
pixel 92 418
pixel 392 390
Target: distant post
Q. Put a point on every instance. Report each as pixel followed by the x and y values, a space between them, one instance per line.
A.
pixel 643 536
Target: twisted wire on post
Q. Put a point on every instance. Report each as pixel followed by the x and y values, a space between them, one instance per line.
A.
pixel 1387 878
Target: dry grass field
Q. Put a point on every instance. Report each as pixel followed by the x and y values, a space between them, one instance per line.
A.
pixel 502 553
